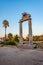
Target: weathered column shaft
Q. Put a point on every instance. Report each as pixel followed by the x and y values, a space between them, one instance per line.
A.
pixel 21 39
pixel 30 31
pixel 20 29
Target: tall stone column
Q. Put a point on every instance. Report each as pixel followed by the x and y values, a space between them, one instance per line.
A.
pixel 21 39
pixel 30 32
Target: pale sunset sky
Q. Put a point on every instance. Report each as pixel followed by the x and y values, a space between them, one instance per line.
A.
pixel 12 10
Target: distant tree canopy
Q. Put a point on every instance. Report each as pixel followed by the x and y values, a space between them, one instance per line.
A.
pixel 16 38
pixel 10 36
pixel 38 38
pixel 35 38
pixel 27 38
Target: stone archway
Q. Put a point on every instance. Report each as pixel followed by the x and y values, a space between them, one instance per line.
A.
pixel 26 17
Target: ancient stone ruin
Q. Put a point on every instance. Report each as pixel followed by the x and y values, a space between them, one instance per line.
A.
pixel 26 17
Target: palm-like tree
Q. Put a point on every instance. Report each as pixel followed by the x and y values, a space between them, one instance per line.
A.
pixel 5 24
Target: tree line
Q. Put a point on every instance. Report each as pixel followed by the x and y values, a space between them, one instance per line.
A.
pixel 35 38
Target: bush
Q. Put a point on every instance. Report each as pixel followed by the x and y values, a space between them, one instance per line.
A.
pixel 10 42
pixel 16 38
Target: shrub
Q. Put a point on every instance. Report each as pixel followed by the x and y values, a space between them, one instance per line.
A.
pixel 10 42
pixel 16 38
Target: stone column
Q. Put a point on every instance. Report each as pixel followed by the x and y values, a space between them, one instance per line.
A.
pixel 21 39
pixel 30 31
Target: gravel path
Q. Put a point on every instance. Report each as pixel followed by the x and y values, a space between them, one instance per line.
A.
pixel 16 56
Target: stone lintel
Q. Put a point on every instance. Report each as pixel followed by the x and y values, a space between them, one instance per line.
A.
pixel 24 19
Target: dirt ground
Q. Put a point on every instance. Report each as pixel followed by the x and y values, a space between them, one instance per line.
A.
pixel 18 56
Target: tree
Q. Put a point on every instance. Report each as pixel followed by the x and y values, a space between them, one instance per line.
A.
pixel 5 24
pixel 27 38
pixel 35 38
pixel 16 38
pixel 41 38
pixel 10 36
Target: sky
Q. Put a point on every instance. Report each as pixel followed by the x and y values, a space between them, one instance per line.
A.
pixel 12 10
